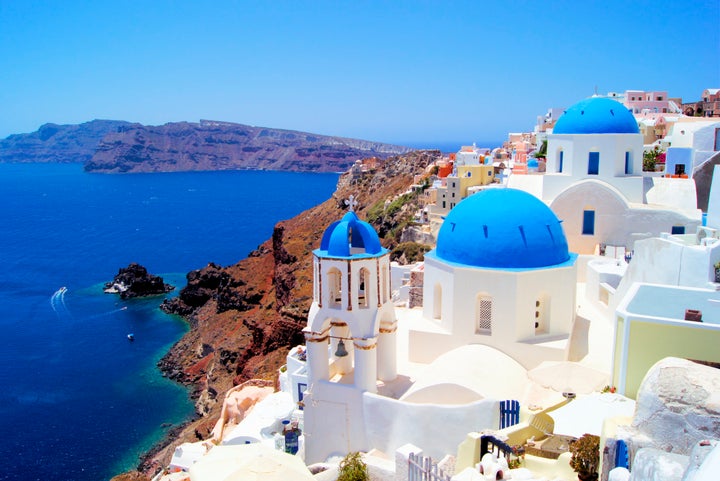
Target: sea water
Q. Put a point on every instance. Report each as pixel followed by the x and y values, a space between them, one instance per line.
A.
pixel 78 400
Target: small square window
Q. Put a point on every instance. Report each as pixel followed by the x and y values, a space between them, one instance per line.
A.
pixel 678 229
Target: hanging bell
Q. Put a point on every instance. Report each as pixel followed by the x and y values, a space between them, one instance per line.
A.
pixel 341 351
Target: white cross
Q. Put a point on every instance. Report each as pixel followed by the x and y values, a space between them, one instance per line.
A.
pixel 351 203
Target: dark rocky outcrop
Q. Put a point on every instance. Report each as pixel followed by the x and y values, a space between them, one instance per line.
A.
pixel 58 143
pixel 134 281
pixel 209 145
pixel 245 317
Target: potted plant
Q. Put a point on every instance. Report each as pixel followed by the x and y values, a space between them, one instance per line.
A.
pixel 586 457
pixel 717 271
pixel 352 468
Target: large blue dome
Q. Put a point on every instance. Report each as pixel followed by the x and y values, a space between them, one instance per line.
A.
pixel 350 237
pixel 596 115
pixel 502 228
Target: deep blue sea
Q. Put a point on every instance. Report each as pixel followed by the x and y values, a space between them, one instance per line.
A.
pixel 78 400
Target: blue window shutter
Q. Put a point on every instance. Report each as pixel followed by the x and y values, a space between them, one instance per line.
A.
pixel 588 222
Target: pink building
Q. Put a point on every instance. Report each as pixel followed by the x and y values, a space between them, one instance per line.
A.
pixel 654 102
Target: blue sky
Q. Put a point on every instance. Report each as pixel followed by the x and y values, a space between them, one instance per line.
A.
pixel 396 71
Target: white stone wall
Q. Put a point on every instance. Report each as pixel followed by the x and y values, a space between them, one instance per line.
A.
pixel 439 429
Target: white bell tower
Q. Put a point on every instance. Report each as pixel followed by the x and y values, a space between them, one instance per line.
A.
pixel 350 335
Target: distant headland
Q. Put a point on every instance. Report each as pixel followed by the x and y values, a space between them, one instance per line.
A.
pixel 110 146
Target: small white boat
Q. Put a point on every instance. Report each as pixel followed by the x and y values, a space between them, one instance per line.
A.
pixel 131 337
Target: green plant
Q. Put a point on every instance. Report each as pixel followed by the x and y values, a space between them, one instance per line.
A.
pixel 586 456
pixel 352 468
pixel 541 153
pixel 650 158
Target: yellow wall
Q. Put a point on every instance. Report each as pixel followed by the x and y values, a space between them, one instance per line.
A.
pixel 650 342
pixel 480 175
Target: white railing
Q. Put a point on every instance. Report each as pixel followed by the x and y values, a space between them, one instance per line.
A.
pixel 422 468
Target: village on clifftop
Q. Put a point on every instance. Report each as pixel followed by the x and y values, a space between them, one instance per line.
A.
pixel 565 325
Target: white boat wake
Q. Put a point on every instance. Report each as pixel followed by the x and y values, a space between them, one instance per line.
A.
pixel 57 302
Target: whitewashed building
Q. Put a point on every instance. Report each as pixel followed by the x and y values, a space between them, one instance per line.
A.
pixel 595 184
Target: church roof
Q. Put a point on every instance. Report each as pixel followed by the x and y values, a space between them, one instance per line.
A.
pixel 344 237
pixel 502 228
pixel 596 115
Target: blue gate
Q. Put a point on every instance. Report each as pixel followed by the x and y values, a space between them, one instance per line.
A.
pixel 509 413
pixel 621 455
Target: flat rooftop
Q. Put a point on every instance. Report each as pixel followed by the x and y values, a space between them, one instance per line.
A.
pixel 671 302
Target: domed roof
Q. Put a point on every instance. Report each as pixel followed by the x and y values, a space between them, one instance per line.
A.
pixel 596 115
pixel 502 228
pixel 350 236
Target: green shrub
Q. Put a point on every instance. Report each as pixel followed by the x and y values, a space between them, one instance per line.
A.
pixel 352 468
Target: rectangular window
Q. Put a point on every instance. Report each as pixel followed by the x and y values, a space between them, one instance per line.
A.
pixel 560 161
pixel 628 165
pixel 588 222
pixel 593 163
pixel 484 315
pixel 678 229
pixel 679 169
pixel 443 204
pixel 717 139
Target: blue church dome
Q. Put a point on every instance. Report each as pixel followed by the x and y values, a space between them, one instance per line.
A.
pixel 502 228
pixel 597 115
pixel 349 233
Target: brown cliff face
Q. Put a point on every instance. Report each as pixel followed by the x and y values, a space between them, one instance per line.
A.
pixel 245 317
pixel 208 145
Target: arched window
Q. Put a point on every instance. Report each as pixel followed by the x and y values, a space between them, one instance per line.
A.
pixel 437 301
pixel 365 289
pixel 483 314
pixel 334 279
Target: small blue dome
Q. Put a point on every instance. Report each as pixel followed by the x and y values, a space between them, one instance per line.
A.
pixel 597 115
pixel 349 233
pixel 502 228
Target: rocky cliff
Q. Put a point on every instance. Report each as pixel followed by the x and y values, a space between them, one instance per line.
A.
pixel 209 145
pixel 135 281
pixel 58 143
pixel 245 317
